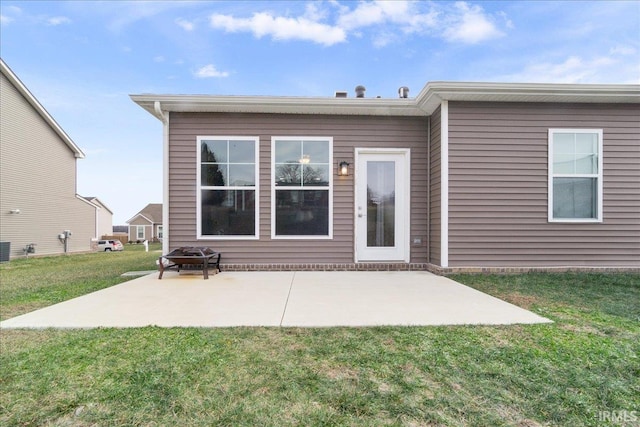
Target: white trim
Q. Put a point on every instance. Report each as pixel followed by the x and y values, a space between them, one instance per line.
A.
pixel 165 184
pixel 136 216
pixel 255 188
pixel 444 184
pixel 406 153
pixel 328 188
pixel 599 176
pixel 144 232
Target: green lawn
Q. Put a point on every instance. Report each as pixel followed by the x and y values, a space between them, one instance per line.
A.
pixel 582 370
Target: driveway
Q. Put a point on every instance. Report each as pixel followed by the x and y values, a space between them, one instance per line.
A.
pixel 297 299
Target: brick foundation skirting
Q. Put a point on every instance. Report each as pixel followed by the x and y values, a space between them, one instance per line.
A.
pixel 443 271
pixel 436 269
pixel 327 267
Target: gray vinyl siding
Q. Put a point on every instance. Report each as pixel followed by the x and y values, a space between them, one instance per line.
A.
pixel 38 176
pixel 498 187
pixel 348 132
pixel 434 189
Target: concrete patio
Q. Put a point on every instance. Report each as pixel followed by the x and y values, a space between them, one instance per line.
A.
pixel 303 299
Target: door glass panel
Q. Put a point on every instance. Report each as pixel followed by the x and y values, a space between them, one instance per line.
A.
pixel 381 204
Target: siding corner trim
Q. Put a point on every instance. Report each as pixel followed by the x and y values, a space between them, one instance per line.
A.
pixel 444 184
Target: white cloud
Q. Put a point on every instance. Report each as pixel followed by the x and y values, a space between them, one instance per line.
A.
pixel 384 38
pixel 58 20
pixel 10 10
pixel 314 13
pixel 210 71
pixel 622 50
pixel 576 69
pixel 386 22
pixel 280 28
pixel 470 25
pixel 404 14
pixel 158 58
pixel 186 25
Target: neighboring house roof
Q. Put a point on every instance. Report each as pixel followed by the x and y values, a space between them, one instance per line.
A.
pixel 424 104
pixel 152 213
pixel 97 201
pixel 17 83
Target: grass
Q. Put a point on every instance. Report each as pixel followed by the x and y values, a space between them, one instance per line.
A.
pixel 31 283
pixel 578 371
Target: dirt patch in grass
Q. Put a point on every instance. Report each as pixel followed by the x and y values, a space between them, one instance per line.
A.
pixel 338 372
pixel 521 300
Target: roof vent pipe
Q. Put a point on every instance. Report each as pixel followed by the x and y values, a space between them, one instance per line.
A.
pixel 403 92
pixel 360 90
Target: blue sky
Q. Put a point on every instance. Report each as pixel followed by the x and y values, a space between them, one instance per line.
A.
pixel 82 60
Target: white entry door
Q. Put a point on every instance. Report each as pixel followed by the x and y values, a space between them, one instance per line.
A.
pixel 382 205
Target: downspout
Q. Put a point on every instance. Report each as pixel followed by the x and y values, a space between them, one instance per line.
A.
pixel 165 175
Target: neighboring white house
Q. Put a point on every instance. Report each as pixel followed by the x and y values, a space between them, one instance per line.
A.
pixel 39 206
pixel 104 218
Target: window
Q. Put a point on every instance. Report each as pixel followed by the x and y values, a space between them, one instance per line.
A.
pixel 160 232
pixel 575 175
pixel 301 176
pixel 140 232
pixel 227 187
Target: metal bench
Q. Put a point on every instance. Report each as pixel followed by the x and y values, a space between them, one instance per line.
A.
pixel 190 255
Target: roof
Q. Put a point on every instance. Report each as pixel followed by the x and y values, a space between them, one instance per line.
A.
pixel 97 201
pixel 17 83
pixel 424 104
pixel 152 213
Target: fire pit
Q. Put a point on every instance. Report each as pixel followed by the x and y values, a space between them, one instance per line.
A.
pixel 189 255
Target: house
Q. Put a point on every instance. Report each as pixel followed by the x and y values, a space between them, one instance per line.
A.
pixel 40 211
pixel 463 177
pixel 146 224
pixel 104 221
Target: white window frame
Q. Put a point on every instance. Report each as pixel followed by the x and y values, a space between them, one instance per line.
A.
pixel 200 187
pixel 138 228
pixel 598 176
pixel 160 231
pixel 273 187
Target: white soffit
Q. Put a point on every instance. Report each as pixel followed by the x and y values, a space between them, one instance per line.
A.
pixel 279 105
pixel 423 105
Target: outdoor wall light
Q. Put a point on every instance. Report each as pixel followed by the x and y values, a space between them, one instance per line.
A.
pixel 14 211
pixel 343 169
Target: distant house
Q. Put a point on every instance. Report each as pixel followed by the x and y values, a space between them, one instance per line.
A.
pixel 104 222
pixel 39 207
pixel 465 176
pixel 146 224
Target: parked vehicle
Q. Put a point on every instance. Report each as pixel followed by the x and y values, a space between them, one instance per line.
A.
pixel 110 245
